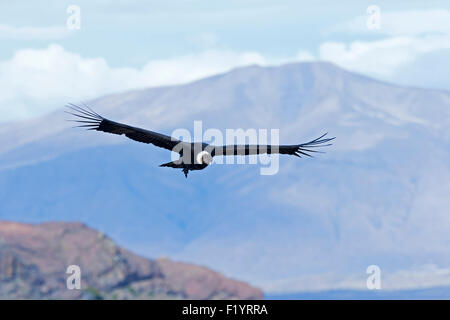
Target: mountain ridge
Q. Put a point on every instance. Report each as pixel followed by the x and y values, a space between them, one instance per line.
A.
pixel 366 200
pixel 34 260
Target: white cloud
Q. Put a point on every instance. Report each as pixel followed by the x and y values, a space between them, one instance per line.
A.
pixel 38 80
pixel 401 23
pixel 35 81
pixel 41 33
pixel 381 57
pixel 412 39
pixel 304 55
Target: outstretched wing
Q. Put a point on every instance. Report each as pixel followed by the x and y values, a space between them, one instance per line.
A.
pixel 296 149
pixel 89 119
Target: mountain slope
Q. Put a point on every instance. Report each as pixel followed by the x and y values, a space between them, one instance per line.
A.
pixel 378 196
pixel 34 260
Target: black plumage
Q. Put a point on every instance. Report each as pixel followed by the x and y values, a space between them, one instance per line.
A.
pixel 193 156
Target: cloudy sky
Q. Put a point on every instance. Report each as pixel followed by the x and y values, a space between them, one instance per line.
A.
pixel 135 44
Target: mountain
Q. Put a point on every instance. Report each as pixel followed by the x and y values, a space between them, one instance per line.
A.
pixel 434 293
pixel 378 196
pixel 34 260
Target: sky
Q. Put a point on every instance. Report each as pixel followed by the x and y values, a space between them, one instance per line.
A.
pixel 136 44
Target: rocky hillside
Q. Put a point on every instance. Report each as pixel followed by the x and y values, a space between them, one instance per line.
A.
pixel 34 260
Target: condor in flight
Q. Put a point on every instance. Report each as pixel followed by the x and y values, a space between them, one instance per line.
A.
pixel 193 156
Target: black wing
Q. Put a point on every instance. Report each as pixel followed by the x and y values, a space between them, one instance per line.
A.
pixel 296 149
pixel 89 119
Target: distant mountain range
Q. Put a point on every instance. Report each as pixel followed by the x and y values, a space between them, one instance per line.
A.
pixel 378 196
pixel 34 261
pixel 411 294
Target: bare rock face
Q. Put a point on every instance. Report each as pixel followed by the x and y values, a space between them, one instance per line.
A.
pixel 34 260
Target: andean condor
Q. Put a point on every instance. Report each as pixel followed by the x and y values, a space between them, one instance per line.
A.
pixel 193 156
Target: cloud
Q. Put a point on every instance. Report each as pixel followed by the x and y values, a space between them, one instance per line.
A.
pixel 33 33
pixel 401 23
pixel 414 42
pixel 34 81
pixel 380 57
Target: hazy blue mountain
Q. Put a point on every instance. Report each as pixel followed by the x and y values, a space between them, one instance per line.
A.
pixel 412 294
pixel 379 196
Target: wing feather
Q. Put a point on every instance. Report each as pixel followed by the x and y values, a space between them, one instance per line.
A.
pixel 296 150
pixel 93 121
